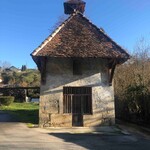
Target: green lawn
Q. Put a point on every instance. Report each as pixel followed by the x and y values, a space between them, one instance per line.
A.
pixel 23 112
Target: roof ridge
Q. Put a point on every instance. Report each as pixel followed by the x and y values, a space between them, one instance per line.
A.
pixel 50 37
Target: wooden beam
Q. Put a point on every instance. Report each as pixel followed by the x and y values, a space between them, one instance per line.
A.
pixel 111 72
pixel 43 70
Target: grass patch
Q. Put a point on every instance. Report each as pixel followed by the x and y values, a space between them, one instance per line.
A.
pixel 23 112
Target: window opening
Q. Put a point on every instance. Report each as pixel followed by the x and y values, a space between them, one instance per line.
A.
pixel 77 100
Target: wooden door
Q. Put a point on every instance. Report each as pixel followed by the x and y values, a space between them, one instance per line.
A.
pixel 77 115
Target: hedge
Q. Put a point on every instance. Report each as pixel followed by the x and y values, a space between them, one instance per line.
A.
pixel 6 100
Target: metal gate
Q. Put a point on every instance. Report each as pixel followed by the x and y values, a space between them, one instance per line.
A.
pixel 77 101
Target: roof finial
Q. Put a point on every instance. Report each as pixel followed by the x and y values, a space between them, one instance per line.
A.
pixel 70 6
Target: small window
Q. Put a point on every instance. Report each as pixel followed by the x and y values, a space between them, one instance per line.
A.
pixel 77 69
pixel 77 100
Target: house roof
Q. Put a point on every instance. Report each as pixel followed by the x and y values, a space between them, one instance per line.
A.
pixel 78 37
pixel 13 68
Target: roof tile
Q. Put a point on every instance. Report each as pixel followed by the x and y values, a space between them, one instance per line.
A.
pixel 78 37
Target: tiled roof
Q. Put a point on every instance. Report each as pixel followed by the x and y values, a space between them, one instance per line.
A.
pixel 78 37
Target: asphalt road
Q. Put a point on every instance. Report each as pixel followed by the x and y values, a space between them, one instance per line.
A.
pixel 17 136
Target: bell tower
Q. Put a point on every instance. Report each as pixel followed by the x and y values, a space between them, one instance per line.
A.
pixel 70 6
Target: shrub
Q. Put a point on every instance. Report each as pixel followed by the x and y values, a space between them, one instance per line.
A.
pixel 6 100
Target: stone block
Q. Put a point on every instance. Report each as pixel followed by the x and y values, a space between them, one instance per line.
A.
pixel 61 120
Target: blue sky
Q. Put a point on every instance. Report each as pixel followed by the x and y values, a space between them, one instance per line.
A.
pixel 24 24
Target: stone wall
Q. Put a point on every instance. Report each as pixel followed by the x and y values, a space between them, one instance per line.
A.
pixel 59 73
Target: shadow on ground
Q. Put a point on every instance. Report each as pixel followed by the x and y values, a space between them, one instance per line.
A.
pixel 88 141
pixel 6 117
pixel 24 116
pixel 105 142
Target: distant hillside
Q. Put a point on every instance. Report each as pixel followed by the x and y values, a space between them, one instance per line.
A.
pixel 14 77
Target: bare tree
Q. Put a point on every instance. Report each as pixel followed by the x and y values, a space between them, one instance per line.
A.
pixel 132 83
pixel 61 19
pixel 5 64
pixel 142 49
